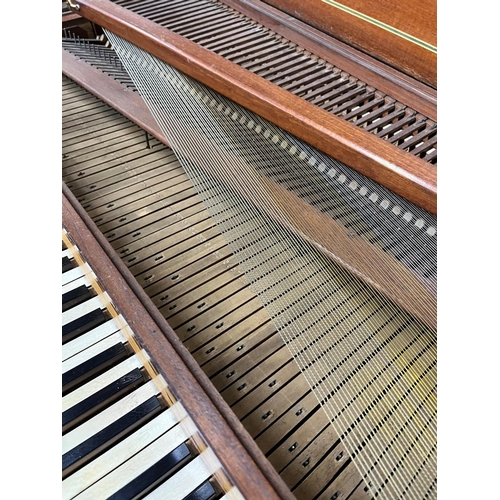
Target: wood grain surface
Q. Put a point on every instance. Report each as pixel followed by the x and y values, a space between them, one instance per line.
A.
pixel 397 170
pixel 418 19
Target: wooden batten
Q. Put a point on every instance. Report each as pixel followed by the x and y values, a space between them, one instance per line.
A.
pixel 399 171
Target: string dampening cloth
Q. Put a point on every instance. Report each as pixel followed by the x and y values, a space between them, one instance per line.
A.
pixel 371 365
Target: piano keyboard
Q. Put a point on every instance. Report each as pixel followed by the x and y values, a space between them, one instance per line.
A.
pixel 124 435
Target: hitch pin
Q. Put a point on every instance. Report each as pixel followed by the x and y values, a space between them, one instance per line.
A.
pixel 72 5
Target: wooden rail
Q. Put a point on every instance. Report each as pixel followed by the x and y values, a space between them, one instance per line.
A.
pixel 125 101
pixel 399 171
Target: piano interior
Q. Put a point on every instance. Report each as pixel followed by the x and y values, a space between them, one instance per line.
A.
pixel 133 182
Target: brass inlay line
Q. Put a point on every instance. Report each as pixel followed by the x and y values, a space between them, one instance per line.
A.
pixel 384 26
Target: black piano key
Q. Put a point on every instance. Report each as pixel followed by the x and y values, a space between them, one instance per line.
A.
pixel 67 264
pixel 160 470
pixel 205 492
pixel 82 325
pixel 129 421
pixel 91 367
pixel 105 396
pixel 74 297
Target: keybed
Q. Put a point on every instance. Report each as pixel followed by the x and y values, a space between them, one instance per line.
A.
pixel 124 435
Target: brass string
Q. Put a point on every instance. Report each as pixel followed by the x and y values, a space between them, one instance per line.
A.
pixel 161 87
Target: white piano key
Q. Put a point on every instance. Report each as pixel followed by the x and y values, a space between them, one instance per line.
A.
pixel 82 309
pixel 88 339
pixel 120 453
pixel 98 383
pixel 108 416
pixel 82 280
pixel 136 465
pixel 185 480
pixel 67 253
pixel 71 275
pixel 93 350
